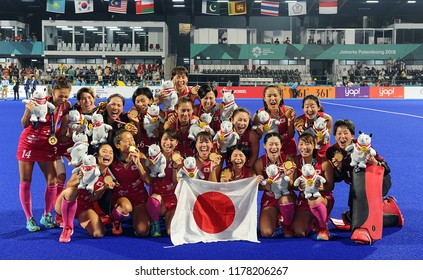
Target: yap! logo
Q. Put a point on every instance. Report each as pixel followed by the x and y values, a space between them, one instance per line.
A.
pixel 386 91
pixel 257 51
pixel 352 91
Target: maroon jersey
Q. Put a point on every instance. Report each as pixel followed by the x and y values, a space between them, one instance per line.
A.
pixel 84 196
pixel 289 145
pixel 165 187
pixel 145 141
pixel 301 202
pixel 184 146
pixel 268 198
pixel 215 123
pixel 206 169
pixel 33 143
pixel 245 173
pixel 309 124
pixel 130 185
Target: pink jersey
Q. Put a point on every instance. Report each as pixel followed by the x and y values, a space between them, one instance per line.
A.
pixel 33 143
pixel 289 146
pixel 130 185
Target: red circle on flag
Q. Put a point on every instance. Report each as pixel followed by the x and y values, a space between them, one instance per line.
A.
pixel 213 212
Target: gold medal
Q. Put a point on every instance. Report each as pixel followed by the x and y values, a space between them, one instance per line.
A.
pixel 338 157
pixel 153 120
pixel 288 112
pixel 90 126
pixel 227 174
pixel 310 182
pixel 52 140
pixel 202 124
pixel 108 179
pixel 213 156
pixel 191 174
pixel 363 149
pixel 101 107
pixel 83 121
pixel 222 106
pixel 176 157
pixel 287 164
pixel 319 134
pixel 132 149
pixel 221 137
pixel 270 181
pixel 129 126
pixel 266 127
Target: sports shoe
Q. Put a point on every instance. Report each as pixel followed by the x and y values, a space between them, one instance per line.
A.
pixel 58 221
pixel 390 206
pixel 65 237
pixel 31 225
pixel 47 220
pixel 323 234
pixel 155 229
pixel 343 224
pixel 288 232
pixel 117 228
pixel 105 220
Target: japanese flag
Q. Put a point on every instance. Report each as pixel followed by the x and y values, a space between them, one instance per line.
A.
pixel 209 212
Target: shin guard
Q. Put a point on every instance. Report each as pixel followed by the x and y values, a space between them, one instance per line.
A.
pixel 366 205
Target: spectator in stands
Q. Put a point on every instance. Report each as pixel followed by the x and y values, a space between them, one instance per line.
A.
pixel 33 85
pixel 229 83
pixel 277 41
pixel 287 41
pixel 310 40
pixel 4 88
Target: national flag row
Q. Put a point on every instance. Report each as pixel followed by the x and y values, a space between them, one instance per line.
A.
pixel 115 6
pixel 212 7
pixel 269 8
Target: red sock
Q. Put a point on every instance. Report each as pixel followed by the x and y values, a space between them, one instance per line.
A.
pixel 320 212
pixel 287 212
pixel 117 215
pixel 25 198
pixel 153 208
pixel 49 198
pixel 68 212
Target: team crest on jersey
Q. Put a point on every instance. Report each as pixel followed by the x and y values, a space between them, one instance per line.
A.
pixel 206 169
pixel 134 167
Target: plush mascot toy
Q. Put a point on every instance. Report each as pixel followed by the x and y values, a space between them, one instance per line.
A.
pixel 190 169
pixel 39 112
pixel 100 129
pixel 278 183
pixel 228 105
pixel 79 149
pixel 309 180
pixel 202 125
pixel 320 130
pixel 360 150
pixel 269 124
pixel 90 173
pixel 170 98
pixel 152 120
pixel 227 135
pixel 156 161
pixel 78 122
